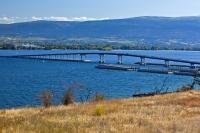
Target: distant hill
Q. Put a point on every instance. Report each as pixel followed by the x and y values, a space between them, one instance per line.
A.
pixel 151 29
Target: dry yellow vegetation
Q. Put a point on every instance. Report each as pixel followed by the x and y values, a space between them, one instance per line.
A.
pixel 170 113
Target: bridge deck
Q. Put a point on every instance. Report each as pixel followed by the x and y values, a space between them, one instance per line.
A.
pixel 180 69
pixel 109 53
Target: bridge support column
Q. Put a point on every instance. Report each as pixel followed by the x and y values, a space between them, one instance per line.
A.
pixel 143 61
pixel 192 66
pixel 119 59
pixel 75 57
pixel 167 63
pixel 101 58
pixel 60 57
pixel 81 57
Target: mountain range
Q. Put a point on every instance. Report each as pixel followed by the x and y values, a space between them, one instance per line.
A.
pixel 149 29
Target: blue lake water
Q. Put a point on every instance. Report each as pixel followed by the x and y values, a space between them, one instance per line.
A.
pixel 22 80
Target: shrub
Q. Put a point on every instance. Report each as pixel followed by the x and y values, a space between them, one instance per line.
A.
pixel 46 98
pixel 99 110
pixel 68 97
pixel 184 88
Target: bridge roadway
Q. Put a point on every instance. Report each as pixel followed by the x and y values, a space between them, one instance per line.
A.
pixel 101 54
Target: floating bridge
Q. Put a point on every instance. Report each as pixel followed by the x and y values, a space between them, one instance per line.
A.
pixel 187 68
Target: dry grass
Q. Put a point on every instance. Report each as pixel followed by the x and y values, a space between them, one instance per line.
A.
pixel 171 113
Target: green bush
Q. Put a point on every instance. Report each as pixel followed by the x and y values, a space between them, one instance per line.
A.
pixel 100 110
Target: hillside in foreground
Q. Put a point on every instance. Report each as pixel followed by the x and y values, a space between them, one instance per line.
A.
pixel 170 113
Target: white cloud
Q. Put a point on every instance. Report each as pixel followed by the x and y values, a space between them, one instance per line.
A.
pixel 8 20
pixel 36 18
pixel 57 18
pixel 53 18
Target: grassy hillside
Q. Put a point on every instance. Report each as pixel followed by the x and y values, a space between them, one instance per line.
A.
pixel 178 112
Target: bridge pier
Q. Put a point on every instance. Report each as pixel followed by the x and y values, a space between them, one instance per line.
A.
pixel 74 56
pixel 81 57
pixel 192 66
pixel 101 58
pixel 143 61
pixel 167 64
pixel 119 59
pixel 63 57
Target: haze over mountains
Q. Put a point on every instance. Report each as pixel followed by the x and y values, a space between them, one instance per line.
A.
pixel 183 30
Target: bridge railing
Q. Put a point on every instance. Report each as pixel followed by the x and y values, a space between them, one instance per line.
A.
pixel 102 57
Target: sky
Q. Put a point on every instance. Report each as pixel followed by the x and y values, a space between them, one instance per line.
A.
pixel 12 11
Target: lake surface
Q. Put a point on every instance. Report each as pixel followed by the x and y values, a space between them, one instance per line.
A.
pixel 23 80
